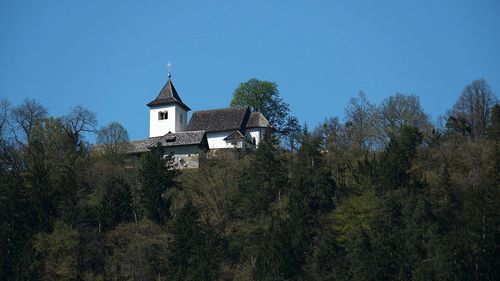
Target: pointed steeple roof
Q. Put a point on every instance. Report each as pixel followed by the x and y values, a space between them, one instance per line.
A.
pixel 168 95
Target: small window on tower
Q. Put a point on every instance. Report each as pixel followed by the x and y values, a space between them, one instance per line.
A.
pixel 162 115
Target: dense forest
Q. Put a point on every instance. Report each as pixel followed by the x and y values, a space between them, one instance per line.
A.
pixel 381 194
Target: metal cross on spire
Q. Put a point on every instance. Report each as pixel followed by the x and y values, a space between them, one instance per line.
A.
pixel 169 66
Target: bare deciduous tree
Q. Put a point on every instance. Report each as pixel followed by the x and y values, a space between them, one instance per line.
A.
pixel 401 110
pixel 25 117
pixel 80 120
pixel 360 121
pixel 112 140
pixel 4 114
pixel 472 111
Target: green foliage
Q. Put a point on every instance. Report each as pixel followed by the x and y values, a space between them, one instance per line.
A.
pixel 261 183
pixel 59 251
pixel 494 128
pixel 354 215
pixel 116 204
pixel 421 205
pixel 396 160
pixel 195 249
pixel 137 251
pixel 157 176
pixel 213 188
pixel 311 177
pixel 280 255
pixel 16 221
pixel 263 97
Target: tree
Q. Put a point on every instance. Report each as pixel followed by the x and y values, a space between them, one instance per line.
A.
pixel 311 177
pixel 361 121
pixel 401 110
pixel 54 164
pixel 113 141
pixel 16 218
pixel 116 204
pixel 494 128
pixel 25 117
pixel 80 120
pixel 292 132
pixel 157 176
pixel 362 264
pixel 473 108
pixel 264 97
pixel 59 251
pixel 4 115
pixel 41 192
pixel 137 251
pixel 195 250
pixel 396 160
pixel 268 174
pixel 281 251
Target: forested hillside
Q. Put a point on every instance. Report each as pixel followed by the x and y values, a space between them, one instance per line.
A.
pixel 383 194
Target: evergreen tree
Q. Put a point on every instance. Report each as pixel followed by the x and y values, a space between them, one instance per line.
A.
pixel 196 250
pixel 396 160
pixel 311 177
pixel 157 176
pixel 41 192
pixel 16 220
pixel 268 167
pixel 278 256
pixel 116 204
pixel 325 263
pixel 262 183
pixel 361 259
pixel 386 241
pixel 494 128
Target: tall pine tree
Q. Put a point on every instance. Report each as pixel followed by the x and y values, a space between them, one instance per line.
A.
pixel 157 176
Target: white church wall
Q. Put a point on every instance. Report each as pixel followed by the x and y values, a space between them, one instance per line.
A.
pixel 256 133
pixel 216 140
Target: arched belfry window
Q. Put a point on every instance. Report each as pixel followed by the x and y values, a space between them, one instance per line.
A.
pixel 162 115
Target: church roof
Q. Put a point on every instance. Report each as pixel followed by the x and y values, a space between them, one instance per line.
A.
pixel 168 95
pixel 216 120
pixel 170 140
pixel 257 120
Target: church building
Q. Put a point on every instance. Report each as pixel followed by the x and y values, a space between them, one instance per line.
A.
pixel 225 128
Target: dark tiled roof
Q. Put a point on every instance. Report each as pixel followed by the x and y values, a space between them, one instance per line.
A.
pixel 257 120
pixel 226 119
pixel 168 95
pixel 169 140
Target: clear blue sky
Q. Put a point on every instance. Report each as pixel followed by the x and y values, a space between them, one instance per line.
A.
pixel 110 56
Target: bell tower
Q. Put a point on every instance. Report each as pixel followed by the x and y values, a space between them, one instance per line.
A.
pixel 167 112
